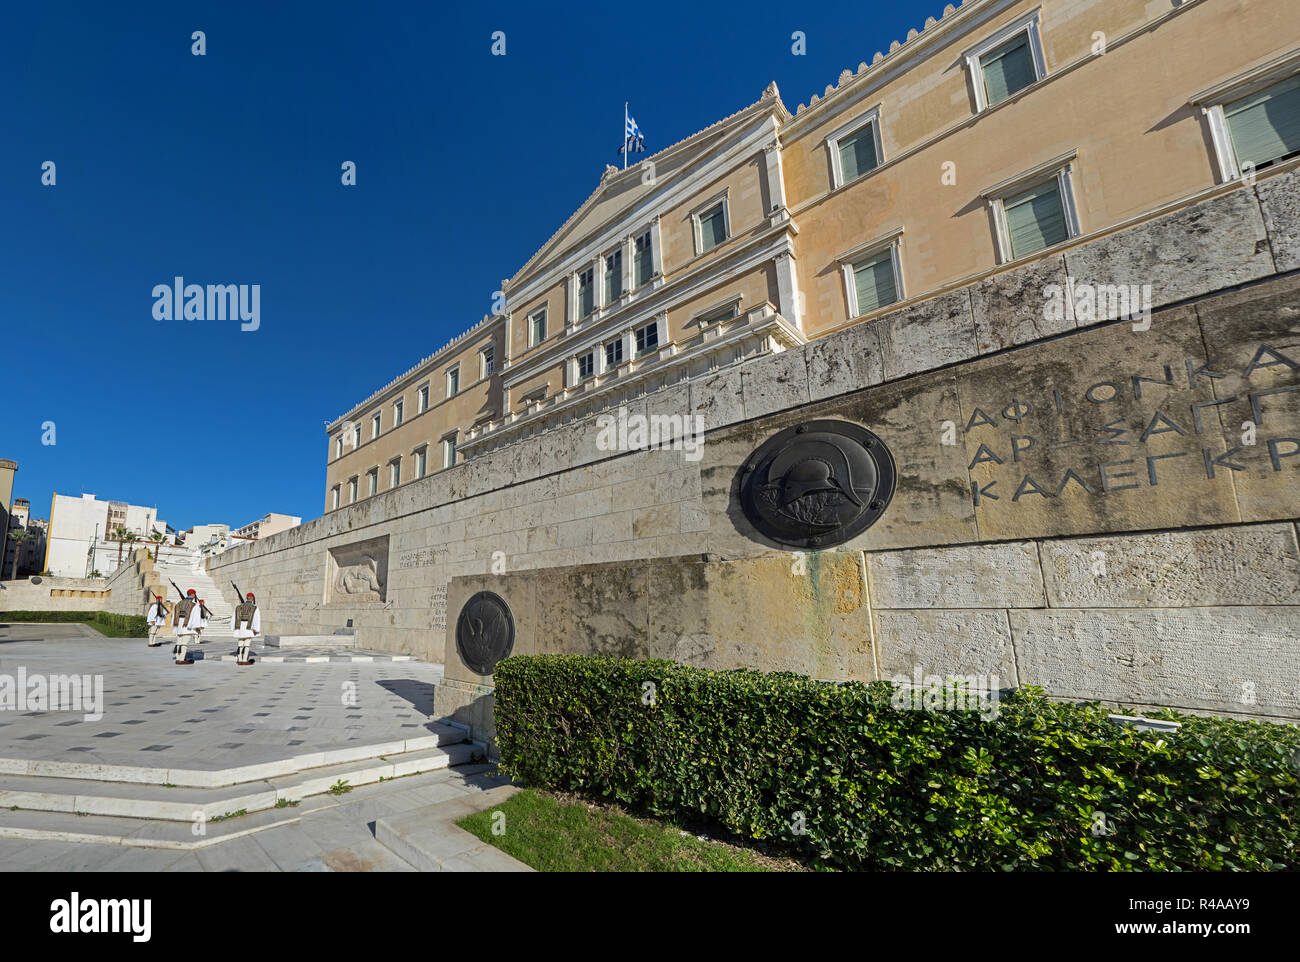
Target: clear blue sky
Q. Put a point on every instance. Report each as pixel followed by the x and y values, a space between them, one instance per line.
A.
pixel 225 169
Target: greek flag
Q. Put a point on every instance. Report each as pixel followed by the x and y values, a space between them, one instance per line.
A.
pixel 633 139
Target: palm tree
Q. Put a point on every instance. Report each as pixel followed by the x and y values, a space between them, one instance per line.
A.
pixel 157 537
pixel 131 538
pixel 18 540
pixel 120 534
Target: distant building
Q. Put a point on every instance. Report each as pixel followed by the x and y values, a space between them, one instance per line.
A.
pixel 7 471
pixel 210 535
pixel 82 539
pixel 268 525
pixel 25 541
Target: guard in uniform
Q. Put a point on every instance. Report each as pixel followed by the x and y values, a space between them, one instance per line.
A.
pixel 188 620
pixel 156 618
pixel 246 624
pixel 205 614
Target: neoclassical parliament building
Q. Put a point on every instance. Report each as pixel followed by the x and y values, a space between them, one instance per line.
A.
pixel 1001 132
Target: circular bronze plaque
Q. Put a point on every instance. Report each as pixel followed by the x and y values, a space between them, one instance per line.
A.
pixel 485 632
pixel 817 484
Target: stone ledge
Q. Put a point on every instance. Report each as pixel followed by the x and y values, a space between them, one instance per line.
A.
pixel 430 839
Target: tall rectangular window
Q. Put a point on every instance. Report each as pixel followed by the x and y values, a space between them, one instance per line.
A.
pixel 397 412
pixel 356 436
pixel 1035 219
pixel 486 361
pixel 338 446
pixel 352 491
pixel 858 153
pixel 613 353
pixel 642 260
pixel 374 425
pixel 1007 69
pixel 586 365
pixel 372 481
pixel 613 276
pixel 453 381
pixel 537 328
pixel 448 452
pixel 586 292
pixel 422 400
pixel 394 472
pixel 874 284
pixel 1265 126
pixel 712 225
pixel 334 498
pixel 647 338
pixel 421 462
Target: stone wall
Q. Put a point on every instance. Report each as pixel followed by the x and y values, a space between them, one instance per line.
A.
pixel 54 594
pixel 1027 443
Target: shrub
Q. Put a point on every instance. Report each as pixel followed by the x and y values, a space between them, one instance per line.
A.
pixel 113 625
pixel 838 774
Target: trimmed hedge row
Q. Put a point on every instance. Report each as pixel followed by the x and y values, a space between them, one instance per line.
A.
pixel 113 625
pixel 839 774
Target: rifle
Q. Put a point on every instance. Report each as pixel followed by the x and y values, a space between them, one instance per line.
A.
pixel 238 594
pixel 178 589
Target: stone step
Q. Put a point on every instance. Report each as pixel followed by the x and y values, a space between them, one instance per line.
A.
pixel 182 804
pixel 441 735
pixel 310 641
pixel 429 839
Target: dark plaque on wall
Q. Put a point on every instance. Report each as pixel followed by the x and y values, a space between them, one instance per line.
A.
pixel 817 484
pixel 485 632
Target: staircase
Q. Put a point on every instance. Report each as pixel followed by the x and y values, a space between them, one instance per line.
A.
pixel 188 574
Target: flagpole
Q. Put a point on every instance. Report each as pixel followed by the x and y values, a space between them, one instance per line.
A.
pixel 625 135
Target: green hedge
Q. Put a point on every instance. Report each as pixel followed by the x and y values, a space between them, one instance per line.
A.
pixel 106 622
pixel 877 787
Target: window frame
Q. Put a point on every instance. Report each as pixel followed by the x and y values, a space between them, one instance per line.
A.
pixel 533 318
pixel 851 259
pixel 869 118
pixel 1059 168
pixel 590 356
pixel 376 424
pixel 452 373
pixel 1212 102
pixel 422 398
pixel 605 274
pixel 648 234
pixel 372 482
pixel 589 270
pixel 395 472
pixel 1030 24
pixel 399 412
pixel 448 448
pixel 697 215
pixel 354 488
pixel 640 352
pixel 617 345
pixel 486 361
pixel 336 496
pixel 421 455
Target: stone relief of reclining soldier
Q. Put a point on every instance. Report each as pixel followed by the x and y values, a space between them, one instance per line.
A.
pixel 360 581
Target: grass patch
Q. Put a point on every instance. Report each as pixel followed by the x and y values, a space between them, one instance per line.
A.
pixel 105 622
pixel 228 815
pixel 554 833
pixel 341 787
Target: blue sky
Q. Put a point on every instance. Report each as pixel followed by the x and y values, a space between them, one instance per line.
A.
pixel 225 169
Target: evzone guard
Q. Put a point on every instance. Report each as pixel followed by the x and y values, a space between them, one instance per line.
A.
pixel 156 618
pixel 188 621
pixel 205 614
pixel 246 624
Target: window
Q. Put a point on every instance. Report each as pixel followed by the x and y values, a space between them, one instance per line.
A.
pixel 486 361
pixel 449 451
pixel 711 227
pixel 372 481
pixel 873 273
pixel 422 400
pixel 334 498
pixel 586 292
pixel 717 314
pixel 338 446
pixel 453 381
pixel 537 328
pixel 647 338
pixel 394 472
pixel 855 149
pixel 613 276
pixel 356 436
pixel 1007 62
pixel 397 412
pixel 586 365
pixel 352 490
pixel 421 462
pixel 642 260
pixel 374 425
pixel 613 353
pixel 1035 210
pixel 1264 127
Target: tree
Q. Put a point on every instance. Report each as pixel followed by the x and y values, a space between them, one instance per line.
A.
pixel 157 537
pixel 18 540
pixel 120 534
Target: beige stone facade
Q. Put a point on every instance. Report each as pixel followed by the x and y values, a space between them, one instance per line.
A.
pixel 1119 113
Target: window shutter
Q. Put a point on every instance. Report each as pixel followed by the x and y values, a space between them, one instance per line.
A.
pixel 874 283
pixel 1035 219
pixel 1007 69
pixel 858 154
pixel 1266 125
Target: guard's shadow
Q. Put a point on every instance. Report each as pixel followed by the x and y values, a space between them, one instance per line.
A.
pixel 418 693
